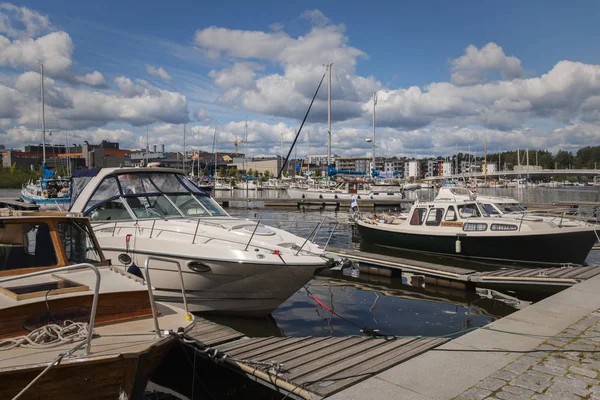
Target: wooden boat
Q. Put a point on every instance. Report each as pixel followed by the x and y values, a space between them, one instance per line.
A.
pixel 54 280
pixel 465 229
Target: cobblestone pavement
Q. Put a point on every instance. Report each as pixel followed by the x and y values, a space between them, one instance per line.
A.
pixel 560 368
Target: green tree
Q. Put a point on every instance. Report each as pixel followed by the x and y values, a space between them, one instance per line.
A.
pixel 232 171
pixel 222 171
pixel 267 174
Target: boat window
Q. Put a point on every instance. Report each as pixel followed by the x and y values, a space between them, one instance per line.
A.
pixel 168 183
pixel 468 210
pixel 435 216
pixel 189 205
pixel 78 243
pixel 113 210
pixel 107 189
pixel 450 214
pixel 145 207
pixel 490 209
pixel 190 185
pixel 211 206
pixel 503 227
pixel 511 207
pixel 474 227
pixel 418 216
pixel 26 245
pixel 136 183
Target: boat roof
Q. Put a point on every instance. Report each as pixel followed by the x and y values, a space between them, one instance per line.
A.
pixel 90 179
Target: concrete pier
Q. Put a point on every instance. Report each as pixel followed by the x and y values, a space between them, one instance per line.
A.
pixel 495 365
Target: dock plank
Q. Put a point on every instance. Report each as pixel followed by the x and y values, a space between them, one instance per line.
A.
pixel 351 360
pixel 363 371
pixel 322 362
pixel 257 353
pixel 251 345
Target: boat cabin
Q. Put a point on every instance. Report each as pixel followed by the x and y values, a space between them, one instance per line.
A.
pixel 115 194
pixel 34 241
pixel 467 215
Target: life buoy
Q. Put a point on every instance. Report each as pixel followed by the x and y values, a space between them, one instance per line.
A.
pixel 45 194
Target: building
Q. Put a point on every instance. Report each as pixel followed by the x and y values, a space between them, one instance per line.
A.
pixel 412 169
pixel 489 168
pixel 272 164
pixel 446 169
pixel 429 168
pixel 394 165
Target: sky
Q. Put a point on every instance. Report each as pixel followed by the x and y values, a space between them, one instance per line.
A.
pixel 448 75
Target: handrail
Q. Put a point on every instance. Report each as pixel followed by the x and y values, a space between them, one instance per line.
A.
pixel 151 293
pixel 251 236
pixel 88 348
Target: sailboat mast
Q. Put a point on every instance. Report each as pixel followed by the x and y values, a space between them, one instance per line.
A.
pixel 43 117
pixel 374 104
pixel 328 122
pixel 184 151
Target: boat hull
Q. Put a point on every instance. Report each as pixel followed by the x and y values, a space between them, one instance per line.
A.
pixel 55 204
pixel 228 288
pixel 544 249
pixel 125 375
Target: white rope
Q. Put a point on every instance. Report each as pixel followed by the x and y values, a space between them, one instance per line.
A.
pixel 48 336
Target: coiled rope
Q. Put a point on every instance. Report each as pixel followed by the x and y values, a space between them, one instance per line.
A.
pixel 48 336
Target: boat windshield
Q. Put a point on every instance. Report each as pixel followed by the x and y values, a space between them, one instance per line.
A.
pixel 511 207
pixel 149 195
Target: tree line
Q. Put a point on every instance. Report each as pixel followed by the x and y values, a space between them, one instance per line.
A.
pixel 585 158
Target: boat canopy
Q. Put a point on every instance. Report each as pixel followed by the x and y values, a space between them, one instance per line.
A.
pixel 147 195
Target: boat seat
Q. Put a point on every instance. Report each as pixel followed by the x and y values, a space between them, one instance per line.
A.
pixel 14 257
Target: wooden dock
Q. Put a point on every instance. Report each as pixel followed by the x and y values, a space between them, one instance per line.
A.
pixel 16 204
pixel 304 367
pixel 337 204
pixel 455 277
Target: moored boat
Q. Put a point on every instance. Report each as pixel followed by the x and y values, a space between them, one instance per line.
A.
pixel 465 229
pixel 70 324
pixel 230 265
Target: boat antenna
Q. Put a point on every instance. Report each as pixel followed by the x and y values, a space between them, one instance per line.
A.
pixel 300 130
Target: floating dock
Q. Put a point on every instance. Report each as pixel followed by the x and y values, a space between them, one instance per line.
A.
pixel 16 204
pixel 333 204
pixel 304 367
pixel 459 278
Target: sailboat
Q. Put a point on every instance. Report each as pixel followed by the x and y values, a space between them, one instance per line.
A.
pixel 49 193
pixel 348 188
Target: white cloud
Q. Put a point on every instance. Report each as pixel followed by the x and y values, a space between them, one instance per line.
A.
pixel 31 23
pixel 316 17
pixel 160 73
pixel 202 115
pixel 472 67
pixel 93 79
pixel 240 74
pixel 54 50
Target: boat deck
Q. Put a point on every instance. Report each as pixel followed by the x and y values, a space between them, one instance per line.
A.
pixel 305 367
pixel 462 277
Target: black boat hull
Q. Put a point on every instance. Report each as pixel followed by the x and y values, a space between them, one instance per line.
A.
pixel 544 249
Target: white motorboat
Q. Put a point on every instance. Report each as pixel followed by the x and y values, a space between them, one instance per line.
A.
pixel 465 229
pixel 231 265
pixel 506 207
pixel 349 189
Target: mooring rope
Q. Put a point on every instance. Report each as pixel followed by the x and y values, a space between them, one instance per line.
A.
pixel 48 336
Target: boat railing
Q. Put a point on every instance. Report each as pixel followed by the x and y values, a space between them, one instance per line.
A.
pixel 151 293
pixel 88 347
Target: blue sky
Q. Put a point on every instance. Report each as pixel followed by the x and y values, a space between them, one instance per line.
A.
pixel 448 74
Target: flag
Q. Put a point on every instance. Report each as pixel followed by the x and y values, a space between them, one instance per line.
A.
pixel 353 203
